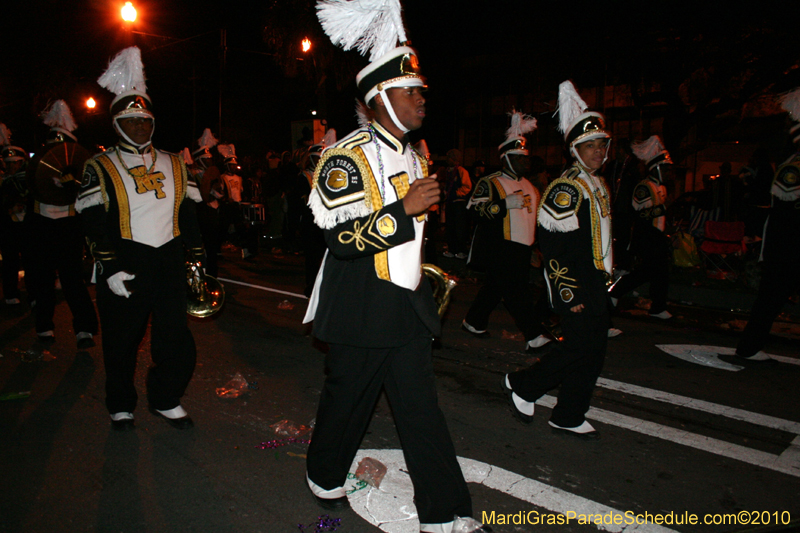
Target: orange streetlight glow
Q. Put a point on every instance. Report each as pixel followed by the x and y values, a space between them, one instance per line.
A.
pixel 306 45
pixel 128 12
pixel 90 103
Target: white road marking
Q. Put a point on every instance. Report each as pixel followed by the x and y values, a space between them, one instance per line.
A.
pixel 787 465
pixel 261 287
pixel 700 405
pixel 391 507
pixel 708 355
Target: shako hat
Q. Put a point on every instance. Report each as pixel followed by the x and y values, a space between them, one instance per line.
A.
pixel 205 143
pixel 652 152
pixel 9 152
pixel 521 125
pixel 125 78
pixel 575 123
pixel 59 118
pixel 374 26
pixel 790 102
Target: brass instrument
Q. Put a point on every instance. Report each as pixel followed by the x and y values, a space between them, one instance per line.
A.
pixel 204 294
pixel 443 285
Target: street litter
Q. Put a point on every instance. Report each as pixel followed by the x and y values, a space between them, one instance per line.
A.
pixel 14 396
pixel 323 524
pixel 286 304
pixel 277 443
pixel 234 388
pixel 513 336
pixel 371 470
pixel 287 428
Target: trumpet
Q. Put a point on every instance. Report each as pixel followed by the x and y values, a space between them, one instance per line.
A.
pixel 204 294
pixel 443 285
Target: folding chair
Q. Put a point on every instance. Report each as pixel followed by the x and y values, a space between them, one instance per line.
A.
pixel 723 242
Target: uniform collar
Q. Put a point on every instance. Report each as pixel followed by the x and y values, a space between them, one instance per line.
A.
pixel 398 145
pixel 130 149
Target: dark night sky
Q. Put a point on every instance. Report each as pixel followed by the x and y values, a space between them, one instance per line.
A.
pixel 59 50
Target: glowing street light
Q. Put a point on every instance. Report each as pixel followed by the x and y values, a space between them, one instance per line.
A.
pixel 306 44
pixel 128 12
pixel 90 103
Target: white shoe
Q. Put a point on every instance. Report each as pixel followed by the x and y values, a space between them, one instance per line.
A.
pixel 539 341
pixel 448 254
pixel 663 315
pixel 122 415
pixel 614 332
pixel 584 431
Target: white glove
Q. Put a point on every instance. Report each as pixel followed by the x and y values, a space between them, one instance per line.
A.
pixel 117 283
pixel 514 201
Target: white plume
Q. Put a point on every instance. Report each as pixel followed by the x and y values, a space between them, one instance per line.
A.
pixel 207 139
pixel 570 106
pixel 5 135
pixel 521 124
pixel 647 150
pixel 187 156
pixel 790 102
pixel 58 115
pixel 374 26
pixel 329 139
pixel 227 151
pixel 125 72
pixel 363 113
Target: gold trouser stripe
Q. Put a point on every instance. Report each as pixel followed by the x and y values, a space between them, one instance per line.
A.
pixel 179 177
pixel 122 196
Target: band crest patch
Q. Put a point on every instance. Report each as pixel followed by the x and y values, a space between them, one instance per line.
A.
pixel 386 225
pixel 494 209
pixel 562 199
pixel 641 193
pixel 338 169
pixel 566 295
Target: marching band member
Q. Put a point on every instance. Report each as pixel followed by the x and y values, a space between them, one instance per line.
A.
pixel 575 239
pixel 138 210
pixel 58 239
pixel 370 302
pixel 505 205
pixel 649 241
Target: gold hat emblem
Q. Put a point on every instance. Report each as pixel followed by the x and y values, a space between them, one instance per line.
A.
pixel 791 178
pixel 337 179
pixel 386 225
pixel 563 199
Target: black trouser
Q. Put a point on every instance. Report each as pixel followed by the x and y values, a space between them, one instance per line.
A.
pixel 456 226
pixel 653 250
pixel 208 220
pixel 58 247
pixel 158 291
pixel 15 246
pixel 573 365
pixel 352 387
pixel 508 279
pixel 779 280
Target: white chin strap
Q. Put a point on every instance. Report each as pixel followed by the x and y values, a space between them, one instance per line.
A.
pixel 389 108
pixel 509 165
pixel 128 139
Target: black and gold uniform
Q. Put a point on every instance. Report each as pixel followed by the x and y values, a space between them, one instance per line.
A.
pixel 376 311
pixel 504 206
pixel 780 252
pixel 138 216
pixel 138 210
pixel 574 236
